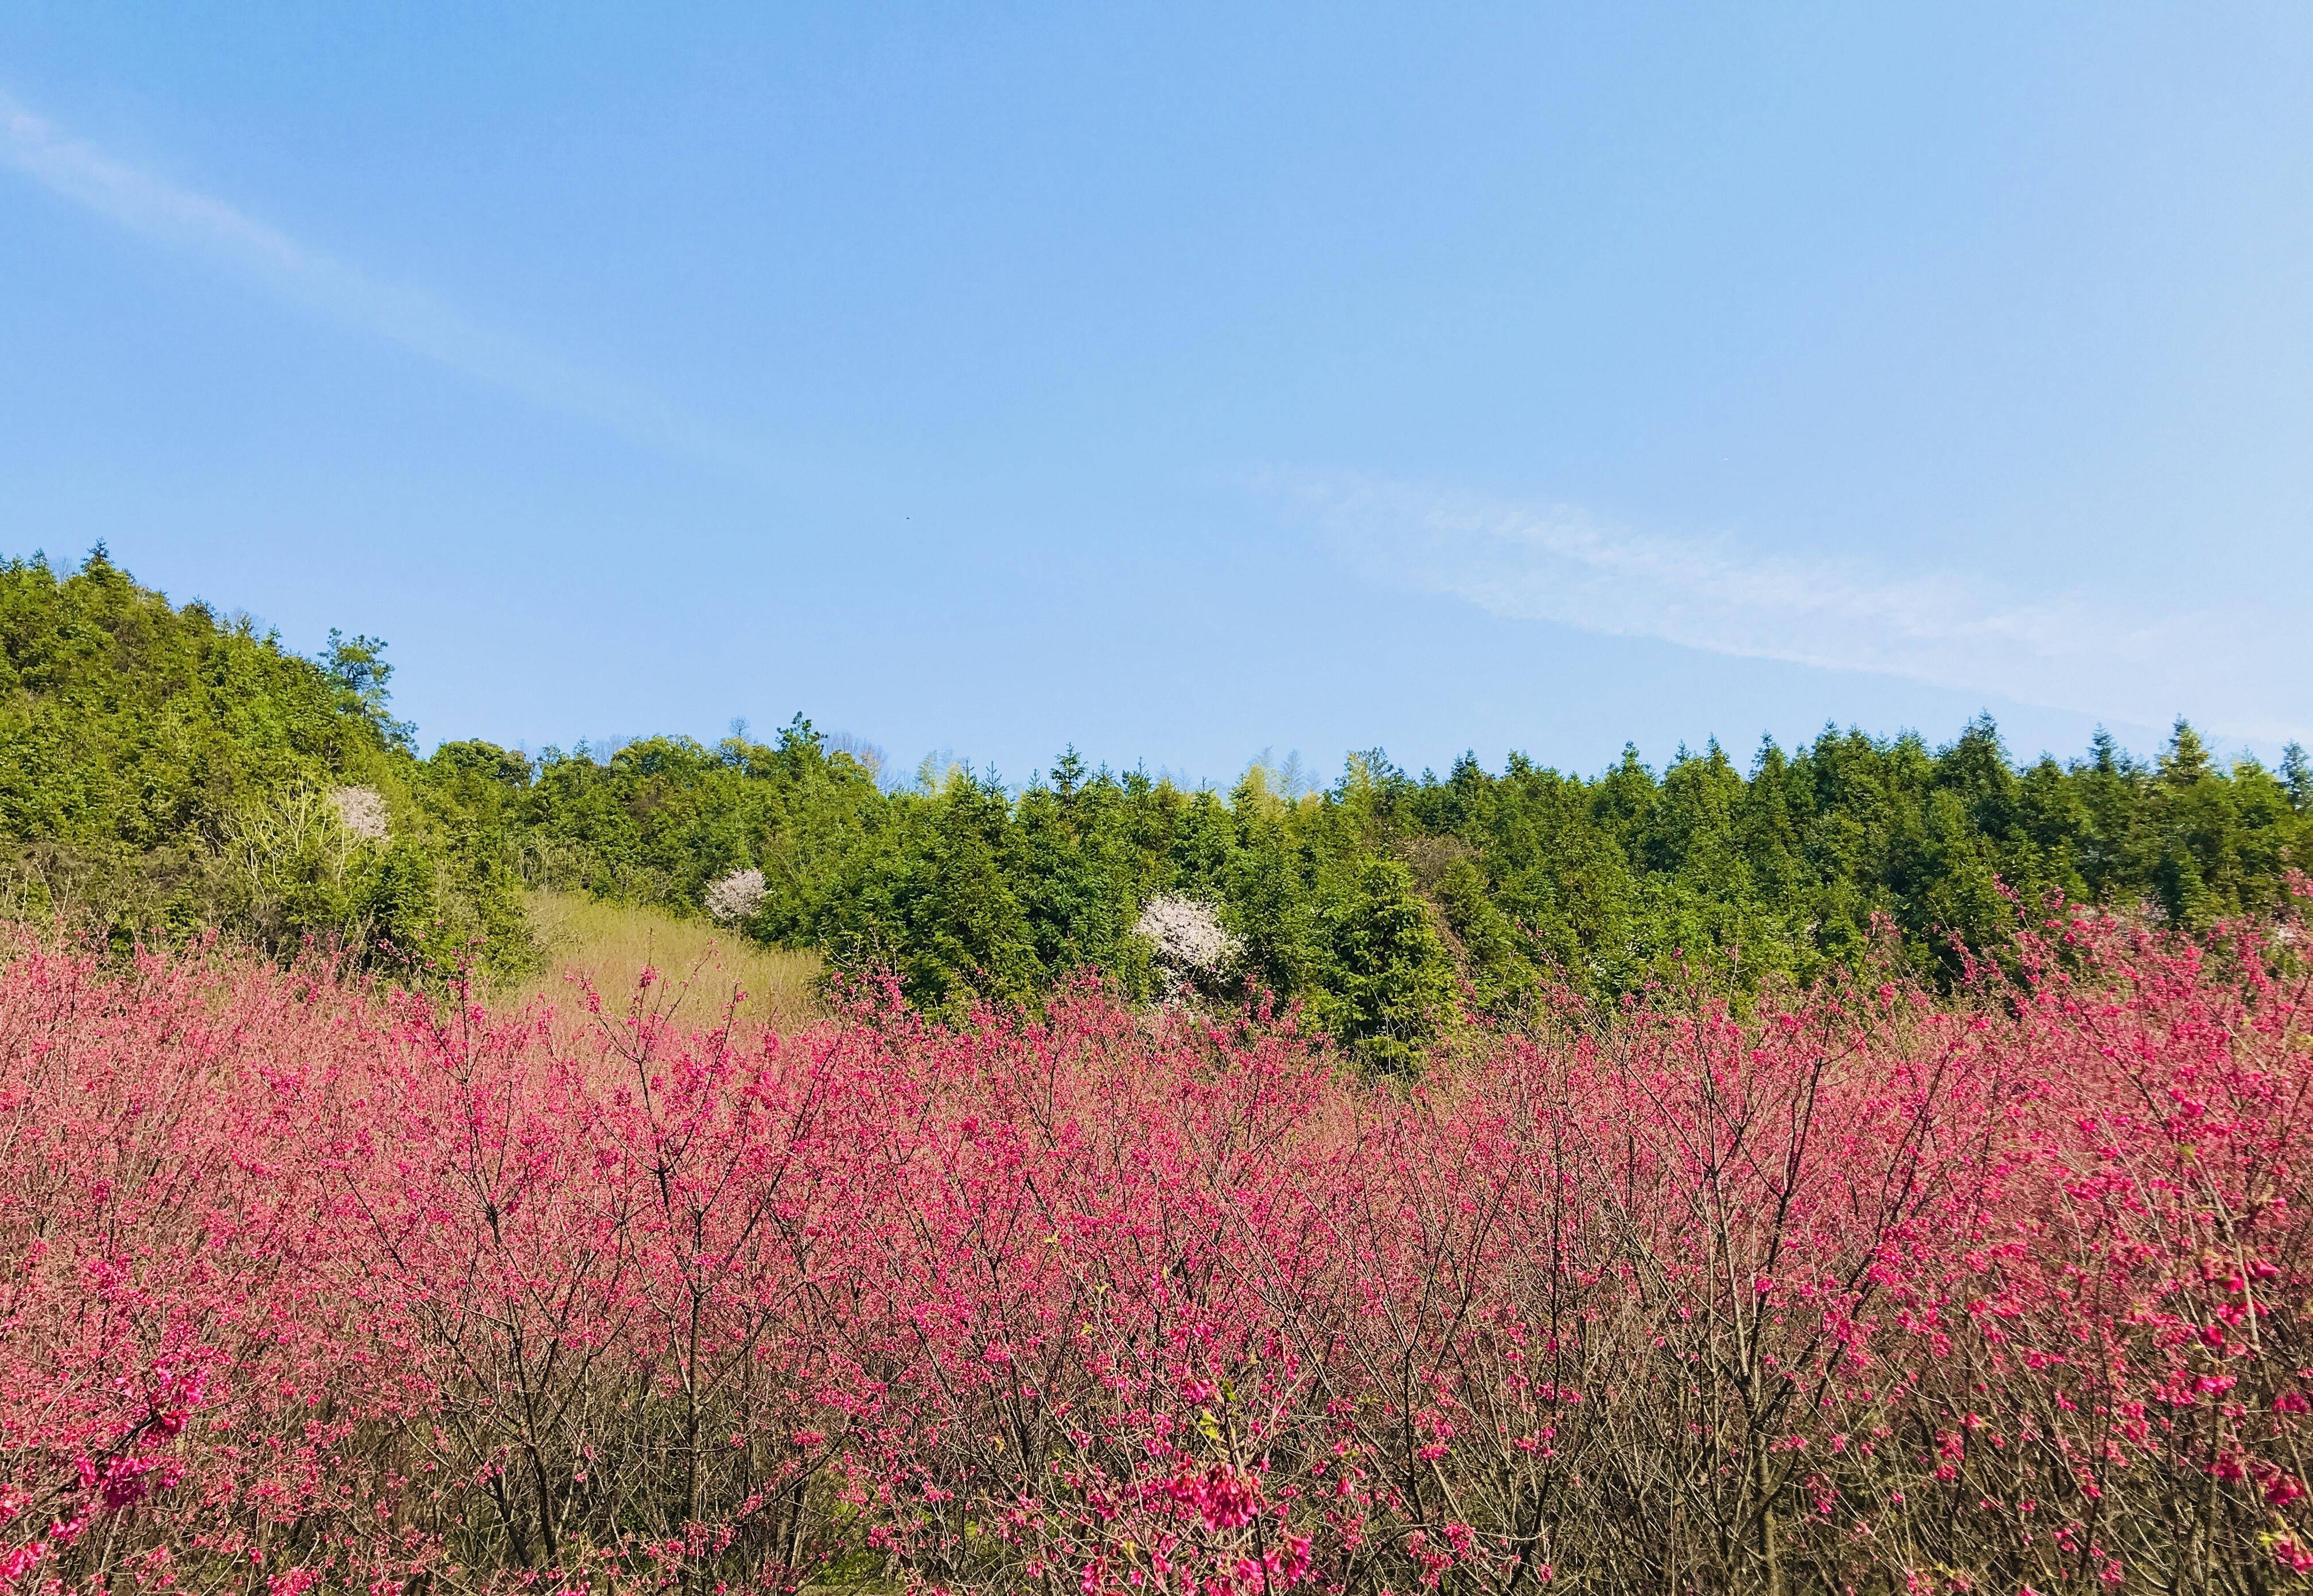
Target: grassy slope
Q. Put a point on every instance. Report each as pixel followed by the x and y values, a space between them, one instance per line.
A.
pixel 610 943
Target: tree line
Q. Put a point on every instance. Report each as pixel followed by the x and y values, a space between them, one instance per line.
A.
pixel 166 768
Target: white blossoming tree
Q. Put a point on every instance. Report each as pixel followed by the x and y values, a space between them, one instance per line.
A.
pixel 1193 948
pixel 361 810
pixel 733 897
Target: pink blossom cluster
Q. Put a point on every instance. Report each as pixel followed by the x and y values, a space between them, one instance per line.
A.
pixel 312 1288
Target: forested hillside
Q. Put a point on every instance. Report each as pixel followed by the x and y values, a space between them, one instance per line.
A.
pixel 167 769
pixel 163 769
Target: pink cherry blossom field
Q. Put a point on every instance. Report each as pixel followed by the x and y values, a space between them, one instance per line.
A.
pixel 310 1288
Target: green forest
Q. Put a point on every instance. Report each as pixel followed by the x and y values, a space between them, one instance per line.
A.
pixel 166 771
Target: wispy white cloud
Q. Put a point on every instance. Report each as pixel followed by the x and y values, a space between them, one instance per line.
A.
pixel 198 223
pixel 2061 651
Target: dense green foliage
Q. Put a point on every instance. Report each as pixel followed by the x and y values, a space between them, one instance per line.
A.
pixel 1390 901
pixel 163 770
pixel 167 767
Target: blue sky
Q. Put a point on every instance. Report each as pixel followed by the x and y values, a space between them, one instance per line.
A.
pixel 1190 380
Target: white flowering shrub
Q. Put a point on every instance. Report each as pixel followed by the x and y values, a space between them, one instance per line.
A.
pixel 736 895
pixel 361 810
pixel 1189 936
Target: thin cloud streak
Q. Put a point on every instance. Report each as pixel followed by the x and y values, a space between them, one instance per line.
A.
pixel 1561 565
pixel 326 287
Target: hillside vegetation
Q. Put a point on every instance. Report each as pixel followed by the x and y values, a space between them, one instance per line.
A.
pixel 163 768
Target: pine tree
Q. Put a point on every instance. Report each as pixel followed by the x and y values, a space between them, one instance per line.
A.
pixel 2188 758
pixel 2297 775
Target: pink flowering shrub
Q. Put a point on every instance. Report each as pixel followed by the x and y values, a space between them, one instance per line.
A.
pixel 308 1289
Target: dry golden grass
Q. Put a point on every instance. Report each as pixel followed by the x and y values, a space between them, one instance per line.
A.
pixel 610 943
